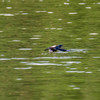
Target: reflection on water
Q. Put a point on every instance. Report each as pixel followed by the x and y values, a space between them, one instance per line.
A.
pixel 6 0
pixel 41 0
pixel 77 72
pixel 88 7
pixel 71 62
pixel 64 57
pixel 25 49
pixel 81 3
pixel 96 57
pixel 50 12
pixel 33 63
pixel 34 38
pixel 1 31
pixel 6 14
pixel 74 87
pixel 23 68
pixel 73 13
pixel 5 59
pixel 2 55
pixel 24 13
pixel 15 40
pixel 69 22
pixel 66 3
pixel 53 28
pixel 13 58
pixel 94 34
pixel 19 58
pixel 79 50
pixel 8 7
pixel 19 79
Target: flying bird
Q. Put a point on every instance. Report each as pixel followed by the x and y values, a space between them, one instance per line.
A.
pixel 55 48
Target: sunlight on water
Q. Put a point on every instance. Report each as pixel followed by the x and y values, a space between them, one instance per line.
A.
pixel 37 35
pixel 41 0
pixel 2 55
pixel 60 19
pixel 71 62
pixel 30 72
pixel 53 28
pixel 65 57
pixel 77 72
pixel 1 31
pixel 40 11
pixel 98 3
pixel 88 7
pixel 15 40
pixel 34 38
pixel 23 68
pixel 96 57
pixel 79 38
pixel 71 85
pixel 5 59
pixel 6 14
pixel 6 0
pixel 91 38
pixel 73 13
pixel 69 22
pixel 25 49
pixel 88 72
pixel 76 88
pixel 8 7
pixel 79 50
pixel 19 58
pixel 50 12
pixel 43 64
pixel 94 34
pixel 73 68
pixel 81 3
pixel 66 3
pixel 19 79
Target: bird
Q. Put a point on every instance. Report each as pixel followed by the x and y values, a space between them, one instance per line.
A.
pixel 55 48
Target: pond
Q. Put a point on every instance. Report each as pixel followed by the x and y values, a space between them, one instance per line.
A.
pixel 27 28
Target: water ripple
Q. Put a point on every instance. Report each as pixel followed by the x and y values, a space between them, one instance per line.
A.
pixel 66 57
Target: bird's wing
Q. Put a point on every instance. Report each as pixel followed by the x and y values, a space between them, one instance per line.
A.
pixel 64 50
pixel 58 47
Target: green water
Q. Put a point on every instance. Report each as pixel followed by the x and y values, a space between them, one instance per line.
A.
pixel 27 72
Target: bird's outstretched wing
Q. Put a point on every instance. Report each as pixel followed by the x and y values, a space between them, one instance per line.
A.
pixel 58 47
pixel 62 49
